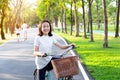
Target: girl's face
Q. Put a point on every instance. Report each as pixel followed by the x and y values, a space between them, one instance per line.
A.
pixel 45 28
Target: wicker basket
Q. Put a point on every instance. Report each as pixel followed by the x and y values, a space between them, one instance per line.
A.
pixel 64 67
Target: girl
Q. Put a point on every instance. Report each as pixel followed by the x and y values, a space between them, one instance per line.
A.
pixel 42 46
pixel 17 29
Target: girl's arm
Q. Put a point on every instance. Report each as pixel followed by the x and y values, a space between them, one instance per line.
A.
pixel 62 46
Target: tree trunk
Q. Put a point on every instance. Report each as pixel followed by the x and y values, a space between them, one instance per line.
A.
pixel 1 25
pixel 90 21
pixel 98 20
pixel 71 19
pixel 62 20
pixel 76 19
pixel 53 19
pixel 105 44
pixel 83 17
pixel 117 20
pixel 88 27
pixel 56 22
pixel 10 23
pixel 6 27
pixel 65 30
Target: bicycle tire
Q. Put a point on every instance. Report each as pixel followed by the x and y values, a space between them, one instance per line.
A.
pixel 67 78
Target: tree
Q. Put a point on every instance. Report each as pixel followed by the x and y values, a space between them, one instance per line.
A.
pixel 105 44
pixel 14 16
pixel 90 20
pixel 76 19
pixel 117 19
pixel 64 18
pixel 83 18
pixel 3 9
pixel 71 25
pixel 63 15
pixel 98 6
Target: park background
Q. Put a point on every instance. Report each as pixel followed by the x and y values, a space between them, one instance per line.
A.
pixel 93 25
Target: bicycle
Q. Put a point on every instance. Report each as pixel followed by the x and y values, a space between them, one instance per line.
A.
pixel 48 74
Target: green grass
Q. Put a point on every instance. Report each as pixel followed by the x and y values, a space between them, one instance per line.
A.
pixel 102 63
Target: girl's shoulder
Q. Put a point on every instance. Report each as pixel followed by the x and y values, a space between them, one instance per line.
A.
pixel 38 37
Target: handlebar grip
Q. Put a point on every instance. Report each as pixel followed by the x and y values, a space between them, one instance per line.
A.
pixel 45 55
pixel 73 46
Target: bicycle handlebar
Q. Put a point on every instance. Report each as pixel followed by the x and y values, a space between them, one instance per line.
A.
pixel 64 53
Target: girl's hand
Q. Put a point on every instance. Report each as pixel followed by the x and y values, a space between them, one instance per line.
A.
pixel 44 55
pixel 73 45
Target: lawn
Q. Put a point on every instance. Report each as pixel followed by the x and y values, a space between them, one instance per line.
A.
pixel 102 63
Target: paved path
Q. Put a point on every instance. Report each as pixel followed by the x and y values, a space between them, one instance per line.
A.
pixel 17 60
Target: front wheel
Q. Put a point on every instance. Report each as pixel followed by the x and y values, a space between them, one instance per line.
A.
pixel 66 78
pixel 70 78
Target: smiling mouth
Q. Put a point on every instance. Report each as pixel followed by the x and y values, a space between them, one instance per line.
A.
pixel 46 30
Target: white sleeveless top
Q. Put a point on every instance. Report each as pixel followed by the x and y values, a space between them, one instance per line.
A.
pixel 45 44
pixel 17 30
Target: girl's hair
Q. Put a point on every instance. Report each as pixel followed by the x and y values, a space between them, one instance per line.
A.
pixel 40 33
pixel 17 26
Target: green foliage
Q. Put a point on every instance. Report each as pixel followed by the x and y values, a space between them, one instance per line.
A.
pixel 41 9
pixel 57 5
pixel 68 16
pixel 3 5
pixel 46 6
